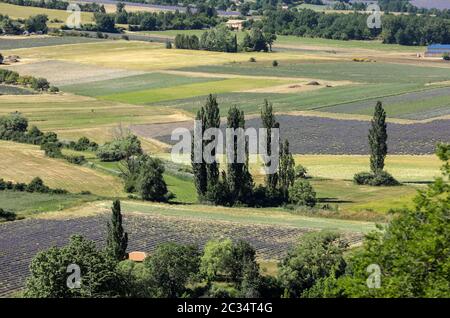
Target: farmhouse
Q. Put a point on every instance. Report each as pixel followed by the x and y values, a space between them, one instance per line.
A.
pixel 235 24
pixel 437 49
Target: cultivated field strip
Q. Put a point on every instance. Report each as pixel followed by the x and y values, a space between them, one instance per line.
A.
pixel 11 44
pixel 21 240
pixel 415 105
pixel 70 73
pixel 319 135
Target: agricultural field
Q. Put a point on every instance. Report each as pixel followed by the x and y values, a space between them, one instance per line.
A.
pixel 11 43
pixel 323 93
pixel 324 135
pixel 149 225
pixel 69 113
pixel 21 12
pixel 25 204
pixel 12 90
pixel 21 163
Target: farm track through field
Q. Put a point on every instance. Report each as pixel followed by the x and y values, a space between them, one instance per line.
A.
pixel 21 240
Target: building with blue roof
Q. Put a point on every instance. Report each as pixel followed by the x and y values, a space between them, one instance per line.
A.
pixel 437 49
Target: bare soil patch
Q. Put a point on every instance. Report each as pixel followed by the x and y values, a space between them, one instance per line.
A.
pixel 65 73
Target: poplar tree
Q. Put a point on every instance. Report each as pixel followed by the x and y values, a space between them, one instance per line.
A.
pixel 239 179
pixel 199 168
pixel 269 122
pixel 117 239
pixel 212 120
pixel 377 139
pixel 286 170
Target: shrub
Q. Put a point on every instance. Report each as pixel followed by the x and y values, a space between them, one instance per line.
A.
pixel 83 144
pixel 168 45
pixel 19 186
pixel 40 84
pixel 302 193
pixel 381 178
pixel 7 216
pixel 52 149
pixel 150 181
pixel 275 63
pixel 136 277
pixel 225 259
pixel 37 185
pixel 172 267
pixel 384 178
pixel 300 172
pixel 48 272
pixel 1 58
pixel 120 149
pixel 78 160
pixel 216 256
pixel 34 136
pixel 217 291
pixel 363 178
pixel 54 89
pixel 316 256
pixel 252 59
pixel 445 57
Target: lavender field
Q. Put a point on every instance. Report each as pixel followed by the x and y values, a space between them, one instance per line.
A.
pixel 318 135
pixel 21 240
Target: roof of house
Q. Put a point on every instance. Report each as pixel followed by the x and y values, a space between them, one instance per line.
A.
pixel 137 256
pixel 439 46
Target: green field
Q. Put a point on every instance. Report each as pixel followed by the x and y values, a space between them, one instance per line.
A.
pixel 368 72
pixel 24 42
pixel 248 215
pixel 296 41
pixel 419 108
pixel 62 112
pixel 351 44
pixel 406 168
pixel 320 99
pixel 131 84
pixel 25 204
pixel 191 90
pixel 22 12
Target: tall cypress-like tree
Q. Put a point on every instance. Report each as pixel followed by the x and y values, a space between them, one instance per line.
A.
pixel 269 122
pixel 199 168
pixel 286 170
pixel 235 44
pixel 212 120
pixel 239 179
pixel 377 139
pixel 117 240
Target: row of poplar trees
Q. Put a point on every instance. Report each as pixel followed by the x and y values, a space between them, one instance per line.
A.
pixel 234 184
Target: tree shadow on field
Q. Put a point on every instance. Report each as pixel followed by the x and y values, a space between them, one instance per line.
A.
pixel 333 200
pixel 418 182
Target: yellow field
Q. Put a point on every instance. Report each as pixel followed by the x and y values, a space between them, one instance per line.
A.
pixel 406 168
pixel 19 12
pixel 75 116
pixel 21 163
pixel 145 56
